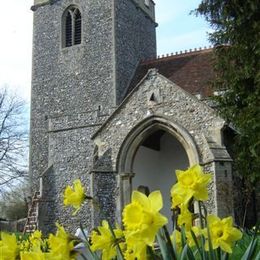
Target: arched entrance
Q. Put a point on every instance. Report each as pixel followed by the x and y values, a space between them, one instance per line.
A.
pixel 149 156
pixel 154 165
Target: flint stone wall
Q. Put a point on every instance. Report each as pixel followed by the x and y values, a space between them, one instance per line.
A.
pixel 68 81
pixel 75 88
pixel 178 106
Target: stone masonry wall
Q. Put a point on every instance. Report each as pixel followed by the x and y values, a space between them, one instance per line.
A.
pixel 224 191
pixel 175 105
pixel 105 192
pixel 68 81
pixel 135 40
pixel 73 89
pixel 71 154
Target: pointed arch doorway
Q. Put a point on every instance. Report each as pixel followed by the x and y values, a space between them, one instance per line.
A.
pixel 149 156
pixel 154 165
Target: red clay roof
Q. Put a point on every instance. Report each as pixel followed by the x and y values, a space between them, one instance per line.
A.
pixel 192 71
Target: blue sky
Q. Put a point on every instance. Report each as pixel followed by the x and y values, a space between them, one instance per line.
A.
pixel 177 31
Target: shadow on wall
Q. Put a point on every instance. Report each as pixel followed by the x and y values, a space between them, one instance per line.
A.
pixel 104 189
pixel 47 205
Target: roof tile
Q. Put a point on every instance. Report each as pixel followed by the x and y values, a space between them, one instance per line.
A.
pixel 192 71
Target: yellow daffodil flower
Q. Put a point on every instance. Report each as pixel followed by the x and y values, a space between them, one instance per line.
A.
pixel 191 183
pixel 133 216
pixel 8 247
pixel 74 196
pixel 176 240
pixel 145 219
pixel 136 249
pixel 185 217
pixel 61 246
pixel 25 245
pixel 36 256
pixel 105 241
pixel 197 232
pixel 36 241
pixel 222 233
pixel 36 235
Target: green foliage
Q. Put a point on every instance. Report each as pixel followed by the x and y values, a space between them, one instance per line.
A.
pixel 237 62
pixel 248 246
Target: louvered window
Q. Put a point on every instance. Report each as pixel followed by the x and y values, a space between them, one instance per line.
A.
pixel 71 27
pixel 68 30
pixel 77 25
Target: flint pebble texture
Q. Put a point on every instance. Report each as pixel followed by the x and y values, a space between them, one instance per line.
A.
pixel 178 107
pixel 79 123
pixel 74 90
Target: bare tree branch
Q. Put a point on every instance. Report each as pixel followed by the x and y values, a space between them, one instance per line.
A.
pixel 13 139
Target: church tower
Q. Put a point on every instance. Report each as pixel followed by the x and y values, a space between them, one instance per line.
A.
pixel 85 53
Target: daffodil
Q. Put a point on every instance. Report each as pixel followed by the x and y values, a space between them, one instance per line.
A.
pixel 74 196
pixel 25 245
pixel 36 256
pixel 34 247
pixel 176 240
pixel 133 216
pixel 191 183
pixel 36 241
pixel 136 249
pixel 61 245
pixel 142 215
pixel 197 232
pixel 102 239
pixel 8 247
pixel 185 217
pixel 222 233
pixel 36 235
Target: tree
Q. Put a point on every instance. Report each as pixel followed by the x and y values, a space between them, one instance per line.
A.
pixel 14 203
pixel 13 140
pixel 236 38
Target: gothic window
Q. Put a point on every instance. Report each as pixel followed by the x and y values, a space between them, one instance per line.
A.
pixel 71 27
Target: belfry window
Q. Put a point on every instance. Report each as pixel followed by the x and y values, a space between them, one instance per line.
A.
pixel 71 27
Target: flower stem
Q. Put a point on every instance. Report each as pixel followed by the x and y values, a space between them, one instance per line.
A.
pixel 200 215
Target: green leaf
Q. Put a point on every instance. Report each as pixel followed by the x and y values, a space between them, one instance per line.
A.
pixel 90 255
pixel 224 256
pixel 168 241
pixel 184 253
pixel 250 250
pixel 165 245
pixel 196 243
pixel 118 249
pixel 258 255
pixel 183 236
pixel 150 254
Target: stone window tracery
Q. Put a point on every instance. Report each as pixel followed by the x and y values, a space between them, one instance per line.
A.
pixel 72 27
